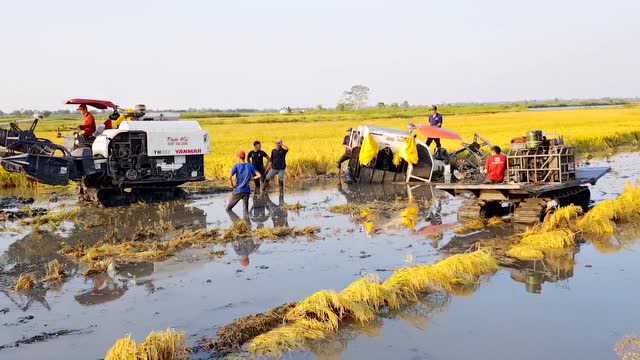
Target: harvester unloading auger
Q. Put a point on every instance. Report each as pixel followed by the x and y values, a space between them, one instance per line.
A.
pixel 541 172
pixel 148 152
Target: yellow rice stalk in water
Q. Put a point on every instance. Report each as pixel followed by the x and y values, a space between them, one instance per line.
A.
pixel 549 240
pixel 288 338
pixel 124 349
pixel 563 217
pixel 55 273
pixel 25 282
pixel 470 226
pixel 325 306
pixel 628 348
pixel 628 204
pixel 599 220
pixel 369 228
pixel 161 345
pixel 410 217
pixel 320 315
pixel 330 307
pixel 164 345
pixel 525 253
pixel 370 292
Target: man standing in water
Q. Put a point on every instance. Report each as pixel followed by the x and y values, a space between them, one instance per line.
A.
pixel 435 120
pixel 277 163
pixel 256 158
pixel 243 173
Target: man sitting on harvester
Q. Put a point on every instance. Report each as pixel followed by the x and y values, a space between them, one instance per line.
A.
pixel 88 126
pixel 495 166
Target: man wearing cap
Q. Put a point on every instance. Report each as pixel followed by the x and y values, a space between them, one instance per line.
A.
pixel 277 163
pixel 243 173
pixel 89 124
pixel 435 120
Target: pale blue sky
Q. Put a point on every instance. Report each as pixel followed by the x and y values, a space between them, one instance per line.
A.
pixel 258 53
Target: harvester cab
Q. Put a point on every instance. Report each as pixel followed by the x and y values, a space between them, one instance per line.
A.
pixel 147 151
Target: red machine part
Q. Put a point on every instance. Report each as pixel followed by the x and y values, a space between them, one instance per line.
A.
pixel 98 104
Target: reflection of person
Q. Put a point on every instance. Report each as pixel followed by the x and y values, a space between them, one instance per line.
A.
pixel 89 122
pixel 104 290
pixel 259 210
pixel 243 248
pixel 495 166
pixel 256 158
pixel 279 213
pixel 243 173
pixel 278 163
pixel 435 120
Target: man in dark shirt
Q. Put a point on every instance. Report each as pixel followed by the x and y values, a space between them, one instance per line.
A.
pixel 256 157
pixel 435 120
pixel 277 163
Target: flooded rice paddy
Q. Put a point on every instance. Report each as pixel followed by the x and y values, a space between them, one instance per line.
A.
pixel 578 309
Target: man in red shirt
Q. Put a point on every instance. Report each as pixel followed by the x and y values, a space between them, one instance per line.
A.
pixel 495 166
pixel 89 125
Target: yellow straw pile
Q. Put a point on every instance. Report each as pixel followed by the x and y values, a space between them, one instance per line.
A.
pixel 563 217
pixel 162 345
pixel 55 272
pixel 321 314
pixel 25 282
pixel 602 218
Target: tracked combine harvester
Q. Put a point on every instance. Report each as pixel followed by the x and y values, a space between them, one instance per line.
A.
pixel 464 163
pixel 541 175
pixel 146 153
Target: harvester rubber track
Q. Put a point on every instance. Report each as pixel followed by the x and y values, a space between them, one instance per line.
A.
pixel 533 210
pixel 471 209
pixel 530 211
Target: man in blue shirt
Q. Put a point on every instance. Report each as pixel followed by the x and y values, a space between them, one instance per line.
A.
pixel 243 173
pixel 435 120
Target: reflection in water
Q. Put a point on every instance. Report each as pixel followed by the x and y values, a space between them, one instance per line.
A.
pixel 104 289
pixel 243 248
pixel 279 213
pixel 262 209
pixel 92 226
pixel 555 267
pixel 24 301
pixel 417 315
pixel 259 210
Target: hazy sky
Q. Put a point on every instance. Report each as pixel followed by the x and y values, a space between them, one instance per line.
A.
pixel 270 53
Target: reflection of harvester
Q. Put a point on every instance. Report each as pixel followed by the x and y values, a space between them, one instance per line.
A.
pixel 541 174
pixel 155 152
pixel 397 156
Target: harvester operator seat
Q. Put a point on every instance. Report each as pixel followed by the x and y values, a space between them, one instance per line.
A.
pixel 83 159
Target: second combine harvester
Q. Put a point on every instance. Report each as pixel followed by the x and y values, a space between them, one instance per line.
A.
pixel 541 174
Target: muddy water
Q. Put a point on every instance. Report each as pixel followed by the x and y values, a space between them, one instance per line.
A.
pixel 511 315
